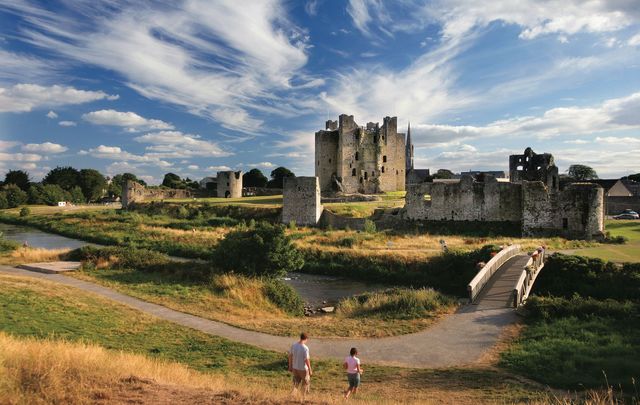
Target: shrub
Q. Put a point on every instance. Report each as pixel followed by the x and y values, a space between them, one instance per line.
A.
pixel 263 251
pixel 25 211
pixel 369 226
pixel 120 257
pixel 566 275
pixel 614 240
pixel 284 296
pixel 557 307
pixel 7 245
pixel 3 200
pixel 292 225
pixel 398 303
pixel 348 241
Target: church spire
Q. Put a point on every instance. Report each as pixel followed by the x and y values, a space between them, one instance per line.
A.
pixel 409 150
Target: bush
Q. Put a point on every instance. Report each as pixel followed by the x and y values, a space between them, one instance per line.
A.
pixel 369 226
pixel 25 211
pixel 566 275
pixel 284 296
pixel 397 303
pixel 263 251
pixel 7 245
pixel 348 241
pixel 3 200
pixel 547 308
pixel 119 257
pixel 614 240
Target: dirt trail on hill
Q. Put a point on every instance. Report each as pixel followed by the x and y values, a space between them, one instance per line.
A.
pixel 458 339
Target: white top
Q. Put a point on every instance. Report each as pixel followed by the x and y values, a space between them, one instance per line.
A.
pixel 299 353
pixel 352 364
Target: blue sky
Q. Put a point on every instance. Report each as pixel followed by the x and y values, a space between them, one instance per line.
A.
pixel 197 86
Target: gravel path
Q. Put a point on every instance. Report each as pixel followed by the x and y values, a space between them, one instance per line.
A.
pixel 458 339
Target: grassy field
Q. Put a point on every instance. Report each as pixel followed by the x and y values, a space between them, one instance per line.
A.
pixel 39 309
pixel 628 252
pixel 266 200
pixel 241 302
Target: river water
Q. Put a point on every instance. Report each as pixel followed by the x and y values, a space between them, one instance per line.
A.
pixel 317 291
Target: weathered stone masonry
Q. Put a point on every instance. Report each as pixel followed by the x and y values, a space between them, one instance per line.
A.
pixel 301 200
pixel 355 159
pixel 136 192
pixel 532 198
pixel 229 184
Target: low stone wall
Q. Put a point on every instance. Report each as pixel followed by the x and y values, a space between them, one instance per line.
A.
pixel 329 219
pixel 135 192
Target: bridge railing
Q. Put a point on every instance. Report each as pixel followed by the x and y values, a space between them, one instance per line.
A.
pixel 489 269
pixel 528 277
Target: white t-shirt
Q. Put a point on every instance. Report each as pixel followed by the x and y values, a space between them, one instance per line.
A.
pixel 352 364
pixel 299 353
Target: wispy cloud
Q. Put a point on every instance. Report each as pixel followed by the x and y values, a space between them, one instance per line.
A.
pixel 46 147
pixel 26 97
pixel 127 119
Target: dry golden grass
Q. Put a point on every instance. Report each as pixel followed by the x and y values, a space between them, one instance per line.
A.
pixel 32 255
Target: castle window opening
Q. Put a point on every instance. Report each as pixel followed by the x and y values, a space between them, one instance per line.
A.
pixel 353 172
pixel 382 169
pixel 565 223
pixel 329 160
pixel 554 182
pixel 227 184
pixel 361 180
pixel 365 175
pixel 427 200
pixel 384 159
pixel 357 156
pixel 373 173
pixel 519 168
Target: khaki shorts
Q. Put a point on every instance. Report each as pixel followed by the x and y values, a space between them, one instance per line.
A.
pixel 301 377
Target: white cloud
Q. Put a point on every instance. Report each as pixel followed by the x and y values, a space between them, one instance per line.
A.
pixel 175 144
pixel 67 123
pixel 264 165
pixel 311 7
pixel 219 59
pixel 193 167
pixel 5 145
pixel 562 17
pixel 19 157
pixel 218 168
pixel 116 153
pixel 25 97
pixel 52 115
pixel 634 40
pixel 613 114
pixel 366 14
pixel 46 147
pixel 124 119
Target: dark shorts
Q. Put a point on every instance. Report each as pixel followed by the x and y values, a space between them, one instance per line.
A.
pixel 354 380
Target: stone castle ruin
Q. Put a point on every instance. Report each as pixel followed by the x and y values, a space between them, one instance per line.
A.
pixel 229 185
pixel 354 159
pixel 301 200
pixel 532 199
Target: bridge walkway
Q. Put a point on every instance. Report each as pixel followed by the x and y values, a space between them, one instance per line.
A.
pixel 498 292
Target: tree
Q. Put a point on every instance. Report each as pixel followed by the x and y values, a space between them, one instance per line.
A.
pixel 66 177
pixel 263 251
pixel 277 177
pixel 119 180
pixel 48 194
pixel 18 177
pixel 634 177
pixel 92 183
pixel 582 173
pixel 3 200
pixel 254 178
pixel 76 195
pixel 15 195
pixel 443 174
pixel 172 180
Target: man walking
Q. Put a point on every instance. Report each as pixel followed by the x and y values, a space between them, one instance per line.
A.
pixel 300 365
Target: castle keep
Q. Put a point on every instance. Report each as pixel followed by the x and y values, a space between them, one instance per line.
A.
pixel 355 159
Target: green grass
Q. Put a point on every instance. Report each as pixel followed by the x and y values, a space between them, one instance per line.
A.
pixel 36 308
pixel 574 353
pixel 271 200
pixel 628 252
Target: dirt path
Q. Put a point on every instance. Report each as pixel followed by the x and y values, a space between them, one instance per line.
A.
pixel 457 340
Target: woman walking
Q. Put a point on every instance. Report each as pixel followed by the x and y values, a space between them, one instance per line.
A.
pixel 352 365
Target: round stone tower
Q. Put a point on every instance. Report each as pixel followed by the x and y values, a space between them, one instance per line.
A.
pixel 229 184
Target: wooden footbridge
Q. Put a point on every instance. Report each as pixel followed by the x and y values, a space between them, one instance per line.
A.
pixel 506 280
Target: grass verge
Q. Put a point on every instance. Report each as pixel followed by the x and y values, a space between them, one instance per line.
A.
pixel 44 310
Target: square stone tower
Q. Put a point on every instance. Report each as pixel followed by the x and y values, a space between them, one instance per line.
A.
pixel 301 200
